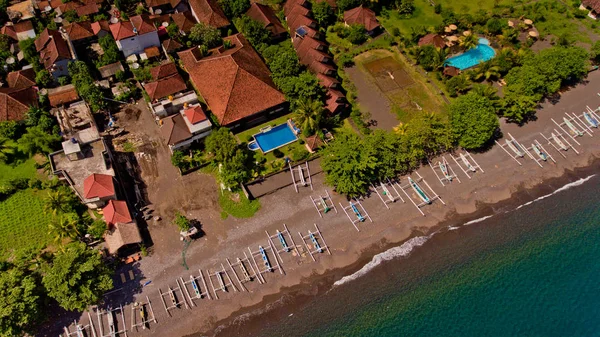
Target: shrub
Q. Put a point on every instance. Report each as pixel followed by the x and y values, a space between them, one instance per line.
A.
pixel 249 138
pixel 437 8
pixel 299 154
pixel 182 222
pixel 277 153
pixel 97 229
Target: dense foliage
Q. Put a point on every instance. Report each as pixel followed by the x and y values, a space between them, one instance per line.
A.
pixel 234 8
pixel 208 36
pixel 85 85
pixel 233 159
pixel 473 120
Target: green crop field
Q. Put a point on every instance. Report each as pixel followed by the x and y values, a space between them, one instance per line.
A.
pixel 25 169
pixel 23 221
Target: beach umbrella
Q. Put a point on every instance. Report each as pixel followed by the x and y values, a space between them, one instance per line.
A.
pixel 452 38
pixel 467 33
pixel 533 33
pixel 447 29
pixel 453 27
pixel 528 22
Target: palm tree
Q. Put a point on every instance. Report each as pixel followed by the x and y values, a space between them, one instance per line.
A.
pixel 468 42
pixel 37 140
pixel 440 58
pixel 401 129
pixel 308 115
pixel 487 91
pixel 63 227
pixel 57 201
pixel 6 149
pixel 487 71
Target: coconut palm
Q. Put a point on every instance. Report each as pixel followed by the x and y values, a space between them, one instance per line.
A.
pixel 36 140
pixel 486 71
pixel 468 42
pixel 440 58
pixel 63 227
pixel 308 115
pixel 57 201
pixel 401 129
pixel 487 91
pixel 6 149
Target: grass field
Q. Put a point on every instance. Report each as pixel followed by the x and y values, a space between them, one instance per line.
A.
pixel 23 221
pixel 408 91
pixel 25 169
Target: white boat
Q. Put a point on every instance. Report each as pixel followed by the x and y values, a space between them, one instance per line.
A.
pixel 539 152
pixel 515 147
pixel 593 122
pixel 466 162
pixel 419 191
pixel 559 142
pixel 572 127
pixel 444 168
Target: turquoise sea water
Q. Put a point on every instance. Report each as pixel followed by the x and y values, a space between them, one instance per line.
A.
pixel 533 271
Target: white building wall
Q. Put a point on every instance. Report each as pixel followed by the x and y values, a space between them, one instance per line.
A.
pixel 137 44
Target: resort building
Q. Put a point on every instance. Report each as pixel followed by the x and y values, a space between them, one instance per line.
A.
pixel 265 15
pixel 593 6
pixel 189 126
pixel 55 52
pixel 432 39
pixel 135 35
pixel 209 13
pixel 235 83
pixel 364 17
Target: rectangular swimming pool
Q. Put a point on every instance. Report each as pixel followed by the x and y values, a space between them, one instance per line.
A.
pixel 277 137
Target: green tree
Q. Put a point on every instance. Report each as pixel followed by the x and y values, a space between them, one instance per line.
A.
pixel 77 277
pixel 58 201
pixel 43 78
pixel 235 170
pixel 37 140
pixel 390 153
pixel 427 134
pixel 181 221
pixel 595 51
pixel 428 57
pixel 221 144
pixel 71 16
pixel 234 8
pixel 6 149
pixel 282 61
pixel 254 31
pixel 473 120
pixel 458 85
pixel 518 108
pixel 83 81
pixel 9 129
pixel 64 227
pixel 486 71
pixel 348 165
pixel 21 305
pixel 357 34
pixel 30 53
pixel 468 42
pixel 205 35
pixel 111 51
pixel 97 229
pixel 323 13
pixel 309 115
pixel 344 5
pixel 305 86
pixel 495 26
pixel 405 7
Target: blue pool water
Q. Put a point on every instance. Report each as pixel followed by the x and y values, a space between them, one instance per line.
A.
pixel 274 138
pixel 472 57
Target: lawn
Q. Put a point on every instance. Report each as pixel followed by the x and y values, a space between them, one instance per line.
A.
pixel 23 221
pixel 23 169
pixel 423 15
pixel 271 163
pixel 237 205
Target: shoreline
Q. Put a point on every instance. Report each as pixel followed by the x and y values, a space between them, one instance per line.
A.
pixel 276 306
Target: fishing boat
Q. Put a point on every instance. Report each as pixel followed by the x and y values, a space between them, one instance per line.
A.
pixel 80 331
pixel 195 286
pixel 559 142
pixel 172 296
pixel 221 281
pixel 314 241
pixel 265 258
pixel 539 152
pixel 572 127
pixel 282 240
pixel 386 192
pixel 244 270
pixel 143 316
pixel 466 162
pixel 111 324
pixel 444 168
pixel 593 122
pixel 419 191
pixel 357 212
pixel 515 147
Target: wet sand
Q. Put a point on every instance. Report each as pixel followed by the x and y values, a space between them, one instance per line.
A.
pixel 503 178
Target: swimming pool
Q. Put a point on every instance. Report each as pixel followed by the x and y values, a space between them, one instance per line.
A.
pixel 472 57
pixel 277 137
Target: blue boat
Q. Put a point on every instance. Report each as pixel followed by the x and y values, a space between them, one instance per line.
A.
pixel 315 242
pixel 357 212
pixel 419 191
pixel 282 240
pixel 265 258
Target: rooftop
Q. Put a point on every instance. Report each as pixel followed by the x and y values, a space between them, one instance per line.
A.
pixel 62 95
pixel 267 17
pixel 361 16
pixel 209 12
pixel 122 234
pixel 77 121
pixel 116 211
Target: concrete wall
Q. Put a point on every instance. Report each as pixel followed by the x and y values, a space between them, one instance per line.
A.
pixel 137 44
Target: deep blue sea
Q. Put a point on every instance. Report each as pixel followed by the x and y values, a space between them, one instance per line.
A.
pixel 531 271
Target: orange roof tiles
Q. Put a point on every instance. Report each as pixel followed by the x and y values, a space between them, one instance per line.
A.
pixel 100 26
pixel 21 79
pixel 185 21
pixel 167 81
pixel 52 47
pixel 125 29
pixel 432 39
pixel 266 16
pixel 174 130
pixel 361 16
pixel 9 30
pixel 235 82
pixel 163 70
pixel 98 186
pixel 79 30
pixel 116 211
pixel 14 103
pixel 195 114
pixel 209 12
pixel 62 95
pixel 142 24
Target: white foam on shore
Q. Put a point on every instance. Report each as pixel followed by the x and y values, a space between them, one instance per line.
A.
pixel 408 246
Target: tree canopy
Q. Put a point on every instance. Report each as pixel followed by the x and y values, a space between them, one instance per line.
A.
pixel 254 31
pixel 21 302
pixel 234 8
pixel 37 140
pixel 206 35
pixel 77 277
pixel 323 13
pixel 221 144
pixel 473 120
pixel 84 83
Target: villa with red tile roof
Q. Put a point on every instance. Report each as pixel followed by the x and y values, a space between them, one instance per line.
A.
pixel 100 28
pixel 166 6
pixel 122 228
pixel 185 21
pixel 364 17
pixel 80 32
pixel 99 186
pixel 116 211
pixel 135 35
pixel 265 15
pixel 55 52
pixel 21 79
pixel 14 103
pixel 209 12
pixel 166 81
pixel 235 83
pixel 183 129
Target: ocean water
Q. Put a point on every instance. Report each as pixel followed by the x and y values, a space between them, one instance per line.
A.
pixel 532 270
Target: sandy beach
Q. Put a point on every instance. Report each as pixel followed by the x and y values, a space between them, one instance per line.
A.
pixel 303 278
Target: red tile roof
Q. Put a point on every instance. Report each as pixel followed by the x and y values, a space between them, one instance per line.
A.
pixel 156 3
pixel 87 9
pixel 163 70
pixel 152 52
pixel 122 234
pixel 335 100
pixel 98 26
pixel 361 16
pixel 79 30
pixel 195 114
pixel 9 30
pixel 21 79
pixel 14 103
pixel 171 45
pixel 593 4
pixel 185 21
pixel 290 4
pixel 297 21
pixel 174 130
pixel 235 83
pixel 209 12
pixel 142 24
pixel 121 30
pixel 327 81
pixel 310 49
pixel 98 186
pixel 62 95
pixel 266 16
pixel 125 29
pixel 23 26
pixel 116 211
pixel 166 81
pixel 52 47
pixel 433 39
